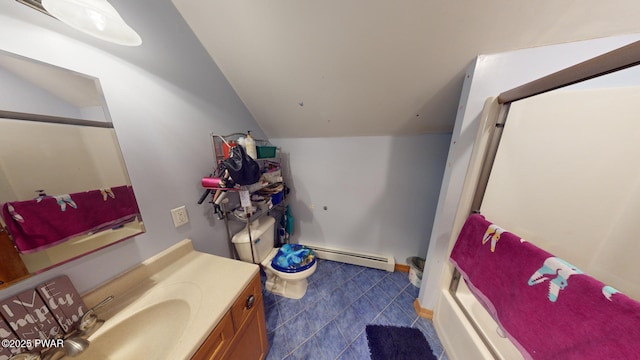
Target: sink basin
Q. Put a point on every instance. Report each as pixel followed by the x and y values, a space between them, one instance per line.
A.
pixel 139 336
pixel 148 329
pixel 166 307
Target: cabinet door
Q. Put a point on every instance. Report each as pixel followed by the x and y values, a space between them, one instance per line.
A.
pixel 218 341
pixel 250 342
pixel 246 302
pixel 242 333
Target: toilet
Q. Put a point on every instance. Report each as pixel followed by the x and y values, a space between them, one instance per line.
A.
pixel 287 268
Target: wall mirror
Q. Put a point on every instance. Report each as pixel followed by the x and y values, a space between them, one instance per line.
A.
pixel 64 187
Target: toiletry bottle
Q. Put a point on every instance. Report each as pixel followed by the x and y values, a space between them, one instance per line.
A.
pixel 250 146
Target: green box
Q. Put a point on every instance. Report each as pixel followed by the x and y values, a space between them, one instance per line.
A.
pixel 265 152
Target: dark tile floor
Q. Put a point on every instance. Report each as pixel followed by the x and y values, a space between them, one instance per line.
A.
pixel 329 321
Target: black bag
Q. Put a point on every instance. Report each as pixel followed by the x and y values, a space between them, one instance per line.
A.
pixel 242 168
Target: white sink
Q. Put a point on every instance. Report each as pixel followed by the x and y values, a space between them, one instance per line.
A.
pixel 149 328
pixel 148 334
pixel 167 306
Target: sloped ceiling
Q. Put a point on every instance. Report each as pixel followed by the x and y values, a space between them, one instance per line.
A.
pixel 373 67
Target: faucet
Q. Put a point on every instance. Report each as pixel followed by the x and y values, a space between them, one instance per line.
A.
pixel 89 319
pixel 74 343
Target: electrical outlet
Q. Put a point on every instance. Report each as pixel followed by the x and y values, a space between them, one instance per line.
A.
pixel 179 216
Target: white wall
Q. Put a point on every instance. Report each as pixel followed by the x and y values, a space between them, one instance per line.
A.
pixel 164 98
pixel 380 191
pixel 488 76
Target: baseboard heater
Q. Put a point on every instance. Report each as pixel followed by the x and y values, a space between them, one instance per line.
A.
pixel 375 261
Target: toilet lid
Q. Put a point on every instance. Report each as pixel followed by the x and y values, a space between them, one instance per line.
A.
pixel 292 258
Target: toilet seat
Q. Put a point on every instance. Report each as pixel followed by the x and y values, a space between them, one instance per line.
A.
pixel 293 258
pixel 302 274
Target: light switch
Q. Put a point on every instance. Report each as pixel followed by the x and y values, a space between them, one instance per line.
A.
pixel 179 216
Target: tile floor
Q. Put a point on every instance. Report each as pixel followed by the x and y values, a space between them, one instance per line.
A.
pixel 329 321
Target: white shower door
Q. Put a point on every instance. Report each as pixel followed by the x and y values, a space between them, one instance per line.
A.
pixel 566 177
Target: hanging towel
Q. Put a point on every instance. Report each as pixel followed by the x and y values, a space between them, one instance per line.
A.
pixel 39 224
pixel 546 306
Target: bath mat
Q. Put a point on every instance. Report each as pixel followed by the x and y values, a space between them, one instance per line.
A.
pixel 395 342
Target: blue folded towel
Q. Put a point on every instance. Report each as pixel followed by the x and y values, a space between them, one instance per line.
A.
pixel 293 256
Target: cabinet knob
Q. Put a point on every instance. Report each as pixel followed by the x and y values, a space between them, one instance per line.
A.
pixel 250 301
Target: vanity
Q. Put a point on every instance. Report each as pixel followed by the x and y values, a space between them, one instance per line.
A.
pixel 181 304
pixel 242 333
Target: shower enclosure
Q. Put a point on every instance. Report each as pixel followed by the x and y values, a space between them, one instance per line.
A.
pixel 558 170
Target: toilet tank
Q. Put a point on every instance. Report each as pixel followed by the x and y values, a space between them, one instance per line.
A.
pixel 262 235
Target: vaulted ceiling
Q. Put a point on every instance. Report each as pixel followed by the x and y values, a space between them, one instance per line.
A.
pixel 311 68
pixel 377 67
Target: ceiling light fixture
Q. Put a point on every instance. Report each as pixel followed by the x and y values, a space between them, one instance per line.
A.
pixel 94 17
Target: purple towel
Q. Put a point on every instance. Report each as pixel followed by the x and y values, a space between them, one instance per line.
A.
pixel 546 306
pixel 39 224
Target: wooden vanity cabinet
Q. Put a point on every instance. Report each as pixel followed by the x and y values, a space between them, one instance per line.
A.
pixel 242 332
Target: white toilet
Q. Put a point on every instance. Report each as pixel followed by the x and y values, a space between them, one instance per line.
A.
pixel 287 281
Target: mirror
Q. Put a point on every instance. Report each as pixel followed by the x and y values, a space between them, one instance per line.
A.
pixel 36 88
pixel 64 187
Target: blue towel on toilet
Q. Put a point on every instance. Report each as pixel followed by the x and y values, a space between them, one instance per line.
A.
pixel 293 257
